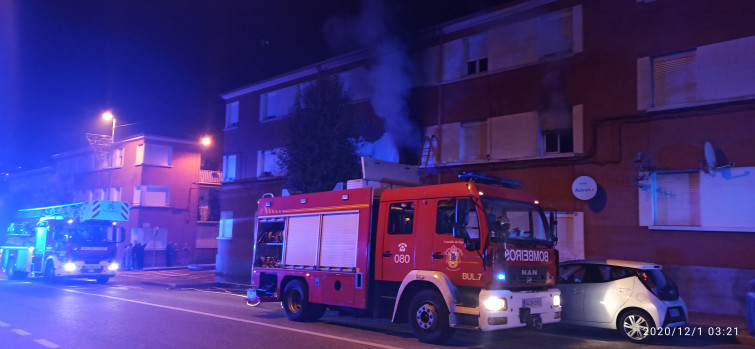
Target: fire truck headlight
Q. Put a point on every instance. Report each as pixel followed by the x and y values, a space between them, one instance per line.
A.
pixel 556 300
pixel 113 266
pixel 69 267
pixel 495 304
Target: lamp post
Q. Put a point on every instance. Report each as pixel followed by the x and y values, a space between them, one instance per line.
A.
pixel 109 116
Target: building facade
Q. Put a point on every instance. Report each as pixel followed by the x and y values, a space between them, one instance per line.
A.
pixel 652 100
pixel 172 200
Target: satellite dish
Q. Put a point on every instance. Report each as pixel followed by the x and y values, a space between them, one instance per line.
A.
pixel 710 156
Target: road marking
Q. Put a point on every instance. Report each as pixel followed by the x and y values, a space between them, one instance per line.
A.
pixel 239 320
pixel 47 343
pixel 20 332
pixel 2 324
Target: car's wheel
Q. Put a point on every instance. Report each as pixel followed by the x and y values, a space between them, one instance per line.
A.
pixel 10 270
pixel 296 303
pixel 635 326
pixel 428 317
pixel 103 279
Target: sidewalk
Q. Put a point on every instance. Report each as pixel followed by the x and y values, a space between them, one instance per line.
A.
pixel 203 276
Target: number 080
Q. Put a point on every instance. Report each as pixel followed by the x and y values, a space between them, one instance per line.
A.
pixel 402 258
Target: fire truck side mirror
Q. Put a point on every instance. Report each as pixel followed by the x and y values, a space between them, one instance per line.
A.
pixel 119 234
pixel 553 222
pixel 461 214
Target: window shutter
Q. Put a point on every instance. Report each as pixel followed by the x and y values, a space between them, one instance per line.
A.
pixel 675 79
pixel 677 199
pixel 301 244
pixel 474 142
pixel 339 240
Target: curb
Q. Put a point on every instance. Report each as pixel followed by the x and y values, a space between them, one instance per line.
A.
pixel 179 284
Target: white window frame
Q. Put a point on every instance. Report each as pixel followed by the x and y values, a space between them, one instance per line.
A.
pixel 147 155
pixel 267 165
pixel 226 225
pixel 230 167
pixel 140 199
pixel 232 114
pixel 700 195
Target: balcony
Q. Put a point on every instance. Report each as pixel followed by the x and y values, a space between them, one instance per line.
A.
pixel 210 177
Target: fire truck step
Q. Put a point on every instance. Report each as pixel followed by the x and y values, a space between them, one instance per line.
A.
pixel 461 309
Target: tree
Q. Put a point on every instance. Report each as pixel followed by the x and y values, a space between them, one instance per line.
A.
pixel 321 129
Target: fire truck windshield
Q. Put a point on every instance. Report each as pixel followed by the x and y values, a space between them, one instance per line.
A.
pixel 88 233
pixel 512 220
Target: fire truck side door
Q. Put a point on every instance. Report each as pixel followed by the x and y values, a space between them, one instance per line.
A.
pixel 450 256
pixel 397 256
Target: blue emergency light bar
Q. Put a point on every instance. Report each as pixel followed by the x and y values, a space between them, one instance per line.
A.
pixel 475 177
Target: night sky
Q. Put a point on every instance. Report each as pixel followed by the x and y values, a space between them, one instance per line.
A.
pixel 159 65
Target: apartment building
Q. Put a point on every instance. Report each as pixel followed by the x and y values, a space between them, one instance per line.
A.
pixel 172 199
pixel 630 118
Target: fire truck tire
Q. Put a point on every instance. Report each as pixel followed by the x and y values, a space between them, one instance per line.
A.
pixel 296 303
pixel 11 271
pixel 50 272
pixel 429 316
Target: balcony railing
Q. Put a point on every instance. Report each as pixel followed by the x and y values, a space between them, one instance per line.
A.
pixel 212 177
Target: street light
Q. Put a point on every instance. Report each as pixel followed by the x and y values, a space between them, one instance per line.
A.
pixel 206 141
pixel 109 116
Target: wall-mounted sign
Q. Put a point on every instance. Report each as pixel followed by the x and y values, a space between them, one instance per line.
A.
pixel 584 188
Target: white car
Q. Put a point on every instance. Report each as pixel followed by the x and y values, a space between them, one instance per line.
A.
pixel 635 298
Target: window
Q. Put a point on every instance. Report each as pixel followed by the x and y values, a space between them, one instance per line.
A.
pixel 713 73
pixel 674 79
pixel 117 158
pixel 150 195
pixel 226 225
pixel 445 217
pixel 277 104
pixel 401 218
pixel 474 141
pixel 155 237
pixel 476 53
pixel 154 154
pixel 356 82
pixel 232 114
pixel 229 168
pixel 514 136
pixel 558 141
pixel 555 33
pixel 268 163
pixel 99 194
pixel 693 200
pixel 115 194
pixel 572 273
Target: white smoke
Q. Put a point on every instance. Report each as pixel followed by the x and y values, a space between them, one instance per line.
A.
pixel 389 74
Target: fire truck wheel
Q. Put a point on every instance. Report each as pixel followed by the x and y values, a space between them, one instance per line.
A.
pixel 50 272
pixel 296 303
pixel 428 317
pixel 11 271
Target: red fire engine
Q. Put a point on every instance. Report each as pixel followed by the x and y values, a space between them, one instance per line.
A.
pixel 459 255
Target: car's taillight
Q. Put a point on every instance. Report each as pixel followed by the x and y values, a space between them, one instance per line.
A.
pixel 649 284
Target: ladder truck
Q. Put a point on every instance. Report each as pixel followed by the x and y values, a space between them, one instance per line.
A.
pixel 72 241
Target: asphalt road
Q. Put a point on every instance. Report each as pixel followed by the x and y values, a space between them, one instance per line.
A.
pixel 129 314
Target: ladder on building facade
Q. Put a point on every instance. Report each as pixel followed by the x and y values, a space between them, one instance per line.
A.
pixel 428 144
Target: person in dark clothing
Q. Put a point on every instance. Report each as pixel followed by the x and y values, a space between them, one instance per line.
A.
pixel 169 254
pixel 139 255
